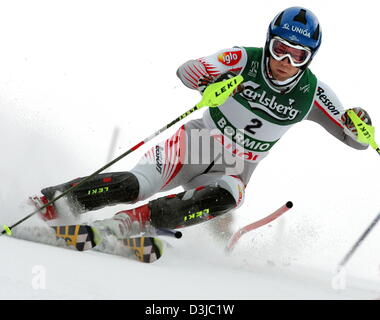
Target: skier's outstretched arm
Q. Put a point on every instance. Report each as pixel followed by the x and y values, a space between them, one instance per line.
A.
pixel 196 74
pixel 330 114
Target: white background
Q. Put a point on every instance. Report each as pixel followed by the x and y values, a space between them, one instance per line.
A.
pixel 73 71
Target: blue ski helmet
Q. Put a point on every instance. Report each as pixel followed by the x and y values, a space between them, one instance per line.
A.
pixel 298 26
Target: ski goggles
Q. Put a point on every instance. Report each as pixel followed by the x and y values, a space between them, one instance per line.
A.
pixel 281 49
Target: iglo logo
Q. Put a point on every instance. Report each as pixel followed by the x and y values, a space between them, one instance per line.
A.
pixel 230 58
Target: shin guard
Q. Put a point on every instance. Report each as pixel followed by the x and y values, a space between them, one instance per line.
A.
pixel 190 207
pixel 102 190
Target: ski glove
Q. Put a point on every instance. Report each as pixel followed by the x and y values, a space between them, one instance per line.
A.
pixel 207 80
pixel 349 127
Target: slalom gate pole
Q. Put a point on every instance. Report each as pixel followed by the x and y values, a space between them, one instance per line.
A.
pixel 214 96
pixel 238 234
pixel 349 254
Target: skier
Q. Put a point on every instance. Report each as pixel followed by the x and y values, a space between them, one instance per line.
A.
pixel 279 90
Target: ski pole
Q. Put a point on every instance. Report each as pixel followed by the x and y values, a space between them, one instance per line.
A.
pixel 366 132
pixel 169 233
pixel 357 244
pixel 238 234
pixel 214 96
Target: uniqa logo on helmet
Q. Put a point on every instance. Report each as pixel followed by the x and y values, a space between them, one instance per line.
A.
pixel 304 32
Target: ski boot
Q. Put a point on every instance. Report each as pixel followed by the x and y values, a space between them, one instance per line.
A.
pixel 126 224
pixel 134 229
pixel 48 213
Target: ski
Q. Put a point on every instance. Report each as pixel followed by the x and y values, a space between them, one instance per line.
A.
pixel 145 249
pixel 84 237
pixel 81 237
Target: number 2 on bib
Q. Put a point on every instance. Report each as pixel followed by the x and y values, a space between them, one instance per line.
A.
pixel 256 124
